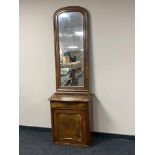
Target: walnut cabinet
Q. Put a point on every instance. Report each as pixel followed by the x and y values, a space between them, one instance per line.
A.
pixel 71 119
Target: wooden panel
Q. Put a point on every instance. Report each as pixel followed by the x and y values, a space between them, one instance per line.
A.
pixel 69 126
pixel 70 98
pixel 69 105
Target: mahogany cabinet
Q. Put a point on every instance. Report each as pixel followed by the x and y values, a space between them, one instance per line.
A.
pixel 71 119
pixel 70 106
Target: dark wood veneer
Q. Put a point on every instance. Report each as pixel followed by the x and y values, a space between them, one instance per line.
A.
pixel 71 110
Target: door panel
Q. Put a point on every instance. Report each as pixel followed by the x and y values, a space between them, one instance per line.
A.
pixel 69 126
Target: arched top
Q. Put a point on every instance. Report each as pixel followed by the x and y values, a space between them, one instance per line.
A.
pixel 71 9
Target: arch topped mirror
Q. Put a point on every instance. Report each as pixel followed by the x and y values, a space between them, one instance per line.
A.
pixel 71 48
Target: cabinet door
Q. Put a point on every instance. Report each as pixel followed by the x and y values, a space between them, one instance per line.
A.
pixel 70 126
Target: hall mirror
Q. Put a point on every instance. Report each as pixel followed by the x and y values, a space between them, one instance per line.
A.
pixel 71 48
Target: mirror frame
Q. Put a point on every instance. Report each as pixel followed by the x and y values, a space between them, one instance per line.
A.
pixel 85 87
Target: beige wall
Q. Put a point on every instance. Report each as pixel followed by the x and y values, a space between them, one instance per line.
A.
pixel 111 62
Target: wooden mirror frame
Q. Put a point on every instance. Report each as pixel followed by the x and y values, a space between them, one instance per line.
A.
pixel 85 87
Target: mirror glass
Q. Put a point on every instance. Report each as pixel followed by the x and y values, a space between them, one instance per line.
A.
pixel 71 48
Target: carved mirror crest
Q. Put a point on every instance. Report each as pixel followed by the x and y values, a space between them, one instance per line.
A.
pixel 71 48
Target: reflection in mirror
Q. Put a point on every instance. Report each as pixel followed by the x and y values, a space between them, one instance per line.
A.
pixel 71 48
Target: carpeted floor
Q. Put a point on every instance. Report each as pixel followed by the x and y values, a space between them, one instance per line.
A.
pixel 35 141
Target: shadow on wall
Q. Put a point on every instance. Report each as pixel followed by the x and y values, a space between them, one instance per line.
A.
pixel 99 113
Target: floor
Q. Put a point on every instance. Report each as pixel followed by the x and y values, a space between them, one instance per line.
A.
pixel 37 141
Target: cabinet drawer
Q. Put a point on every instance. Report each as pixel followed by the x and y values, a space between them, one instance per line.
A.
pixel 69 105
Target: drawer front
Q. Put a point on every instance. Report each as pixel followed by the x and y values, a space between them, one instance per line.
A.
pixel 69 105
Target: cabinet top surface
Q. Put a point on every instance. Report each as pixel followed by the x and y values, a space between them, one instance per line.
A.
pixel 70 98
